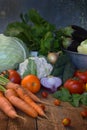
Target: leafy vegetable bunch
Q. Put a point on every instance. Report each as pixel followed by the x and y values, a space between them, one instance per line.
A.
pixel 74 99
pixel 36 32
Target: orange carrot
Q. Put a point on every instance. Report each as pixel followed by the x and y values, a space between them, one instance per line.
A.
pixel 31 95
pixel 23 95
pixel 6 107
pixel 19 103
pixel 15 86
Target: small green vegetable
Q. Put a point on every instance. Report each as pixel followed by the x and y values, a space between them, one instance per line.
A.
pixel 82 48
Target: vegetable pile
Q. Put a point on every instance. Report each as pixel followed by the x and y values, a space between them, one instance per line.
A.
pixel 74 89
pixel 15 95
pixel 51 68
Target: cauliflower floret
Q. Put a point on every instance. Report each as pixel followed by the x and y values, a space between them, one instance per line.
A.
pixel 22 67
pixel 42 67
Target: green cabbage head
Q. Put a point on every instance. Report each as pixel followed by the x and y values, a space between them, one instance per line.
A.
pixel 12 52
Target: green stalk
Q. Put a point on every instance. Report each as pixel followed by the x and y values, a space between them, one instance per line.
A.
pixel 3 80
pixel 2 88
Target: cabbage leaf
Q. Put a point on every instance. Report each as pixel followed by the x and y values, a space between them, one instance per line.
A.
pixel 12 52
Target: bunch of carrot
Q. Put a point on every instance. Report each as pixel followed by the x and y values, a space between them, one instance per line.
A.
pixel 12 94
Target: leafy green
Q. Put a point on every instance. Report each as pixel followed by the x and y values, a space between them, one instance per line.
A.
pixel 36 32
pixel 12 52
pixel 84 98
pixel 45 43
pixel 62 94
pixel 74 99
pixel 68 72
pixel 63 68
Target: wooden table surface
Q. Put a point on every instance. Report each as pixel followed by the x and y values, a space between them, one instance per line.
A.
pixel 54 113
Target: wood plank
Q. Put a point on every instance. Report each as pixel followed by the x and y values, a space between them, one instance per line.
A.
pixel 3 121
pixel 58 113
pixel 17 124
pixel 55 115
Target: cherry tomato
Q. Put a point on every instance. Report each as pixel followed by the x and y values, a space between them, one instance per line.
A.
pixel 14 76
pixel 84 113
pixel 57 102
pixel 44 94
pixel 75 85
pixel 82 75
pixel 66 122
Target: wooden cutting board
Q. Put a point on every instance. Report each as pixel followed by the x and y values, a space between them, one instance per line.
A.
pixel 55 115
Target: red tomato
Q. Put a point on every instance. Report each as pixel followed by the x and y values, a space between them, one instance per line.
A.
pixel 31 83
pixel 14 76
pixel 82 75
pixel 75 85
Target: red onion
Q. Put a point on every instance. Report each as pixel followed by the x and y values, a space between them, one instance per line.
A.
pixel 52 83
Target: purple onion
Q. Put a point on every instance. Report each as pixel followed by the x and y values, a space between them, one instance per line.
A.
pixel 51 83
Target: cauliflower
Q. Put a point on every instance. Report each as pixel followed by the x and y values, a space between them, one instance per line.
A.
pixel 39 64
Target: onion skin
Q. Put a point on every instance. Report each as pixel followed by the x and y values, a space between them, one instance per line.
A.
pixel 51 83
pixel 52 57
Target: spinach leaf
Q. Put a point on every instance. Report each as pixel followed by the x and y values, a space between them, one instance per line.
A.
pixel 63 95
pixel 76 100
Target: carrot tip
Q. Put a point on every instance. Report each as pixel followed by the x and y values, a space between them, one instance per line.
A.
pixel 18 116
pixel 50 121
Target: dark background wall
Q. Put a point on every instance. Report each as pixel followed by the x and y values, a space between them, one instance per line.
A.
pixel 58 12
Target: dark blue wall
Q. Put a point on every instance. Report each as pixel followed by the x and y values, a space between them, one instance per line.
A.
pixel 59 12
